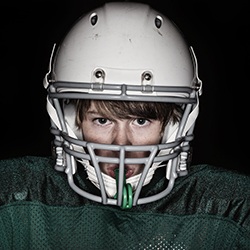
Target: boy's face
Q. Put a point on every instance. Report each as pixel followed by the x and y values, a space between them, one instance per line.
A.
pixel 107 129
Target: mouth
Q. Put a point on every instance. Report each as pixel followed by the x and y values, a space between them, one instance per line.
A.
pixel 111 171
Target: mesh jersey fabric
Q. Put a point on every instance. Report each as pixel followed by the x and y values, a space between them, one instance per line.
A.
pixel 207 209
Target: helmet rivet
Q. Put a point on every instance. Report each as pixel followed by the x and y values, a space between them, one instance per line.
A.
pixel 99 73
pixel 93 18
pixel 147 76
pixel 158 22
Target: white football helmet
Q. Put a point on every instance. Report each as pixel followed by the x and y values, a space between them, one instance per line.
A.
pixel 131 52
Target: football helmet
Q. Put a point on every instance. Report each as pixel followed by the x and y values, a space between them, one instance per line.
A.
pixel 130 52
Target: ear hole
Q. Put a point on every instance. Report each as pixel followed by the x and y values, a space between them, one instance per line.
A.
pixel 93 19
pixel 158 22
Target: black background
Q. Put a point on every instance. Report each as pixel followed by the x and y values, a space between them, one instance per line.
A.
pixel 217 30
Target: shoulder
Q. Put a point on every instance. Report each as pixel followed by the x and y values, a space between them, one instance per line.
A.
pixel 217 192
pixel 34 178
pixel 23 172
pixel 28 162
pixel 25 169
pixel 221 181
pixel 220 187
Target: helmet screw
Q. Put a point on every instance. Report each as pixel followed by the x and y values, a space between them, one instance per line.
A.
pixel 147 76
pixel 99 73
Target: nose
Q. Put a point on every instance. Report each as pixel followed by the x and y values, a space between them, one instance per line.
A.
pixel 121 135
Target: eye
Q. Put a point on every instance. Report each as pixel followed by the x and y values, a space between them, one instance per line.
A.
pixel 141 121
pixel 101 121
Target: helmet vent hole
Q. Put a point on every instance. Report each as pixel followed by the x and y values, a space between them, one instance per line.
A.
pixel 158 22
pixel 93 19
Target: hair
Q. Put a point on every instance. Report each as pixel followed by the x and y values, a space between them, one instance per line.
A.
pixel 164 112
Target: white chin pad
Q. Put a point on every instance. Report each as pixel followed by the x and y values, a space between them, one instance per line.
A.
pixel 110 183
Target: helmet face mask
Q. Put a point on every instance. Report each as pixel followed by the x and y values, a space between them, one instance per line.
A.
pixel 122 52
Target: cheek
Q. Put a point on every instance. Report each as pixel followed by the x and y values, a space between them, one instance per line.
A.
pixel 149 136
pixel 87 132
pixel 91 134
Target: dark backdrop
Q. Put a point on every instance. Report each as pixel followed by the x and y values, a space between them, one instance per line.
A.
pixel 218 31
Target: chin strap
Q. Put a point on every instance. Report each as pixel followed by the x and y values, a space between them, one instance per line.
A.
pixel 127 194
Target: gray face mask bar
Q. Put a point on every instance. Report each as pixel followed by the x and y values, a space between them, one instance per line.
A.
pixel 127 191
pixel 121 160
pixel 66 91
pixel 119 92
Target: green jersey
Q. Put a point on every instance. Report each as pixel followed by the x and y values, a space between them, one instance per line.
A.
pixel 207 209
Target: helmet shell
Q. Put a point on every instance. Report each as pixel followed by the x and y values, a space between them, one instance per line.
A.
pixel 125 41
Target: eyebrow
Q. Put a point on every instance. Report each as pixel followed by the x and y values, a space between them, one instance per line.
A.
pixel 97 113
pixel 94 112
